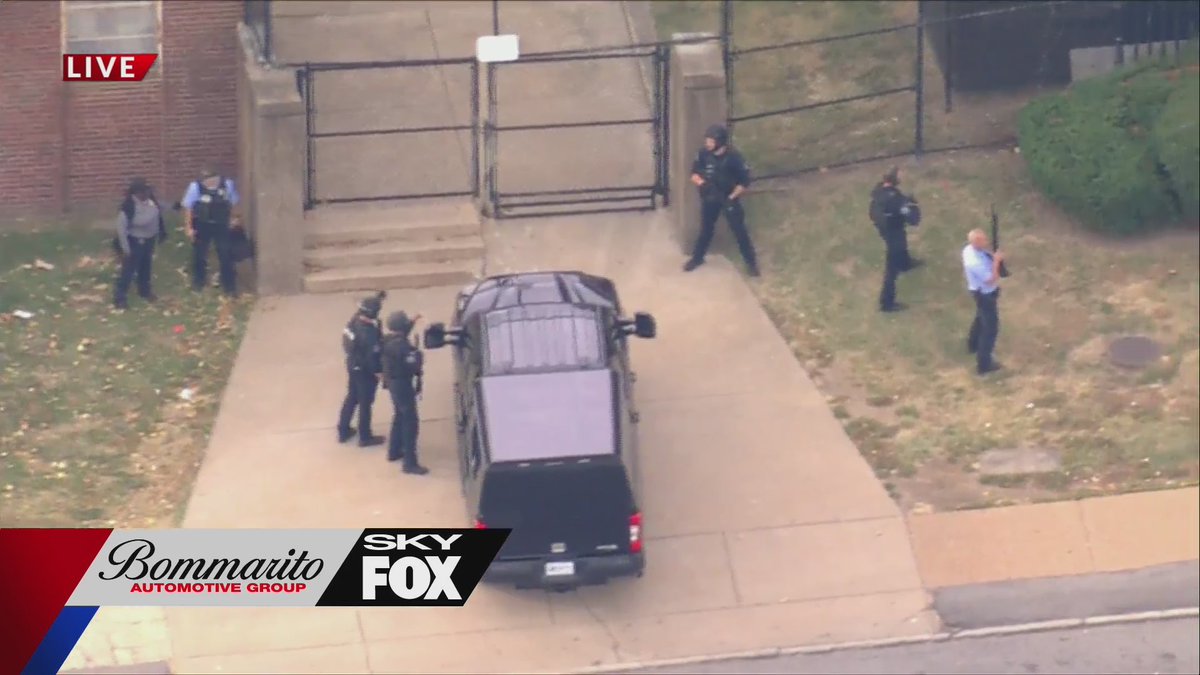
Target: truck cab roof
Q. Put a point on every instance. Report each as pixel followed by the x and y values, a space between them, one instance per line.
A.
pixel 536 288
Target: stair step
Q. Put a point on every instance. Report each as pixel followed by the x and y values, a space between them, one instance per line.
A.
pixel 395 252
pixel 344 224
pixel 392 277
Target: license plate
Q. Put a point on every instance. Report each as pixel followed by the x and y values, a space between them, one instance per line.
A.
pixel 560 569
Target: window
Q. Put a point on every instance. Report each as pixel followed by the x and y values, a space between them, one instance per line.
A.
pixel 111 27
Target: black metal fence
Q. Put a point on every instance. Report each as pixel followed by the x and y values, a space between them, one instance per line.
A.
pixel 356 110
pixel 256 14
pixel 569 183
pixel 915 77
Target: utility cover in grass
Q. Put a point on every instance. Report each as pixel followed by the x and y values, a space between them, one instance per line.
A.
pixel 1018 462
pixel 1133 351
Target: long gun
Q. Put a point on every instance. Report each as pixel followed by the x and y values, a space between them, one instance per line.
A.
pixel 996 240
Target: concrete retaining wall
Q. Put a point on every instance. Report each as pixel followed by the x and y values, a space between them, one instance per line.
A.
pixel 271 143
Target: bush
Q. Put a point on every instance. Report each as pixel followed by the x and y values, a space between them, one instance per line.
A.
pixel 1092 167
pixel 1090 148
pixel 1176 142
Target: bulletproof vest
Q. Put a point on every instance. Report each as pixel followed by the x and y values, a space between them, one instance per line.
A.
pixel 214 205
pixel 717 174
pixel 878 211
pixel 399 354
pixel 360 356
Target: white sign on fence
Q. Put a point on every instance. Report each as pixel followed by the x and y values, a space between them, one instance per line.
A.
pixel 497 48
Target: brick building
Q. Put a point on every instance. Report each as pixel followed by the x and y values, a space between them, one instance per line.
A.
pixel 73 146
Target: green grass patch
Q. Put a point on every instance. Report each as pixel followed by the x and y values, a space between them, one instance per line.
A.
pixel 93 428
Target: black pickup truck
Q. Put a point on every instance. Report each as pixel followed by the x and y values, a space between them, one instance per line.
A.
pixel 546 425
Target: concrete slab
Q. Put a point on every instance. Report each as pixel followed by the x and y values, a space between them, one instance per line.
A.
pixel 492 608
pixel 533 650
pixel 683 574
pixel 1019 542
pixel 823 561
pixel 1117 528
pixel 350 658
pixel 212 631
pixel 748 628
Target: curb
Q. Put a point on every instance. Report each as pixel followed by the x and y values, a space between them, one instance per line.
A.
pixel 1015 629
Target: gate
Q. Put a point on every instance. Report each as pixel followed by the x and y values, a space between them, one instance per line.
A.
pixel 379 131
pixel 561 180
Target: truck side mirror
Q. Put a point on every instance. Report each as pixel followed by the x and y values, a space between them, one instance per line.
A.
pixel 435 336
pixel 644 325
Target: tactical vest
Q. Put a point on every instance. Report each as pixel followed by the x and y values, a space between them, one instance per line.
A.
pixel 214 206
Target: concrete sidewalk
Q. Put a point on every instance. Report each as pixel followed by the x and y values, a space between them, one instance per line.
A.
pixel 1105 534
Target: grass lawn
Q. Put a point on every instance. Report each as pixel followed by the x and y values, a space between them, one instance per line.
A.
pixel 95 427
pixel 903 384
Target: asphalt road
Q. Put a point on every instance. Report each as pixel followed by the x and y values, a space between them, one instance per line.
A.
pixel 1168 646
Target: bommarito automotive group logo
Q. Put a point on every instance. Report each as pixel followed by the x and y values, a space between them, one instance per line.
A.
pixel 135 560
pixel 288 568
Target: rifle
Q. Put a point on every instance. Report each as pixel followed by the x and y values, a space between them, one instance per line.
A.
pixel 996 240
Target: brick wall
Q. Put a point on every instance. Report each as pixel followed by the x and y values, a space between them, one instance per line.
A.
pixel 74 146
pixel 30 106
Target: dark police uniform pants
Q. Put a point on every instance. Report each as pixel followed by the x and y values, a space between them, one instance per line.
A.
pixel 985 328
pixel 402 441
pixel 736 217
pixel 137 263
pixel 220 238
pixel 360 393
pixel 893 239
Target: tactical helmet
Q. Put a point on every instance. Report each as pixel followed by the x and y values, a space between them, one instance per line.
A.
pixel 369 307
pixel 912 213
pixel 398 322
pixel 719 135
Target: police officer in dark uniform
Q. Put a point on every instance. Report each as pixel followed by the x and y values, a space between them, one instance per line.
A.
pixel 403 370
pixel 722 176
pixel 362 342
pixel 208 218
pixel 892 212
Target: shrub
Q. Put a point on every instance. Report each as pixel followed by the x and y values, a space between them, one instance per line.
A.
pixel 1176 142
pixel 1089 149
pixel 1092 167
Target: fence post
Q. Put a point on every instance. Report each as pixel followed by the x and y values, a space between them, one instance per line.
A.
pixel 727 59
pixel 919 85
pixel 948 71
pixel 310 150
pixel 268 48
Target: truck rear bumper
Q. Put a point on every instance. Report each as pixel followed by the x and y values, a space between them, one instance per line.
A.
pixel 588 571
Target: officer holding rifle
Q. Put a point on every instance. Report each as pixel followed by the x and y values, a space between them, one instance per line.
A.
pixel 723 177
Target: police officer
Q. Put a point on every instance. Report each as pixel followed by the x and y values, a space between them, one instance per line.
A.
pixel 403 370
pixel 361 340
pixel 892 212
pixel 207 218
pixel 723 177
pixel 982 269
pixel 139 224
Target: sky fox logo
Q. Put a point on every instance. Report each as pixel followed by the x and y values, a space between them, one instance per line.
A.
pixel 426 567
pixel 426 573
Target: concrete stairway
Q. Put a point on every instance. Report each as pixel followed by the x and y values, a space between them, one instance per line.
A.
pixel 393 246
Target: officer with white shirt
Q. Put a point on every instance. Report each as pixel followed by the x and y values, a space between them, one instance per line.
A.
pixel 982 269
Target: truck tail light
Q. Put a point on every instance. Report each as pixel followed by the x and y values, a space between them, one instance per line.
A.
pixel 635 533
pixel 479 524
